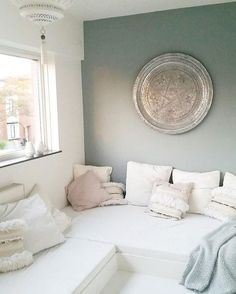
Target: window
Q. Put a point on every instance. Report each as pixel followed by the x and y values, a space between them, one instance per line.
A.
pixel 24 114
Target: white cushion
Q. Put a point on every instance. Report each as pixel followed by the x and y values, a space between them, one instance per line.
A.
pixel 102 172
pixel 41 231
pixel 203 183
pixel 223 204
pixel 229 181
pixel 170 200
pixel 62 220
pixel 140 179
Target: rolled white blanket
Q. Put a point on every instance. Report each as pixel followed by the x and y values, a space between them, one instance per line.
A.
pixel 114 202
pixel 114 184
pixel 116 191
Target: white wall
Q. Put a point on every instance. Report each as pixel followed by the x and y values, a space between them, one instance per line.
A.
pixel 65 39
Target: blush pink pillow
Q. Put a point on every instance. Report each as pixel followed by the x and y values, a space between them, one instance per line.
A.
pixel 86 192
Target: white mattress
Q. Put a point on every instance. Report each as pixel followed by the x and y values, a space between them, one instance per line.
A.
pixel 63 269
pixel 133 231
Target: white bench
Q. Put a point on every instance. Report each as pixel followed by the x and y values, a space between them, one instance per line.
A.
pixel 64 269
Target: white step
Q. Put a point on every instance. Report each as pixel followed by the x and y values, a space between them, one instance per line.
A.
pixel 124 282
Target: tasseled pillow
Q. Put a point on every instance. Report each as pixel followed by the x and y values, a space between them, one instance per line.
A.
pixel 13 255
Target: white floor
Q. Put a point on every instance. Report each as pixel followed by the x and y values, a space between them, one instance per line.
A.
pixel 133 283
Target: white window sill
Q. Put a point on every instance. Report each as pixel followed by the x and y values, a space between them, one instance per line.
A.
pixel 9 162
pixel 9 154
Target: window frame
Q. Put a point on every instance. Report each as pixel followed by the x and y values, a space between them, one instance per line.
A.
pixel 46 73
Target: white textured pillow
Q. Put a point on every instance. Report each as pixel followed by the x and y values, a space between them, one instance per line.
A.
pixel 203 183
pixel 62 220
pixel 41 230
pixel 170 200
pixel 103 173
pixel 223 204
pixel 140 179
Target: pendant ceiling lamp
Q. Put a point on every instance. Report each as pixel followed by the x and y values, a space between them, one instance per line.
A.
pixel 43 12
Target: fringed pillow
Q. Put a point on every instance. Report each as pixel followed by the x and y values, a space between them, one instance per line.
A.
pixel 13 255
pixel 170 200
pixel 223 204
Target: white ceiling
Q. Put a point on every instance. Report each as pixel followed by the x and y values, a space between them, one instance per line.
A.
pixel 95 9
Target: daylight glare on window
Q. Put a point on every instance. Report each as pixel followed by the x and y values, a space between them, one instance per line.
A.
pixel 19 102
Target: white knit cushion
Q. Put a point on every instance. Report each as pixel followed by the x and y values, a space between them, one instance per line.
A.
pixel 223 204
pixel 170 200
pixel 41 230
pixel 203 183
pixel 103 173
pixel 140 179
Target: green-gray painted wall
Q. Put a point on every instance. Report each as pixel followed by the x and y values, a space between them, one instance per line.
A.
pixel 115 51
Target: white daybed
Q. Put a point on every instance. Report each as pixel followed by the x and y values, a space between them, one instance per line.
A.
pixel 110 248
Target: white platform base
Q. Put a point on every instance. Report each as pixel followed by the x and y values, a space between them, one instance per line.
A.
pixel 132 283
pixel 131 274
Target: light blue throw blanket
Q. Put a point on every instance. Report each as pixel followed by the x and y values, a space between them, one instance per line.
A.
pixel 212 265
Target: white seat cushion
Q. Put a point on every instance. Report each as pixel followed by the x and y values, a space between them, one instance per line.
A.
pixel 134 231
pixel 59 270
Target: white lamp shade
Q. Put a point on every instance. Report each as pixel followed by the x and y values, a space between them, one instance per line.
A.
pixel 43 12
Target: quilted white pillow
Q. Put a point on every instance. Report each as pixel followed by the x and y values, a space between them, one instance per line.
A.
pixel 140 179
pixel 103 173
pixel 41 231
pixel 203 183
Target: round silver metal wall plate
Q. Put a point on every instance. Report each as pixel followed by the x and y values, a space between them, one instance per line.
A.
pixel 173 93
